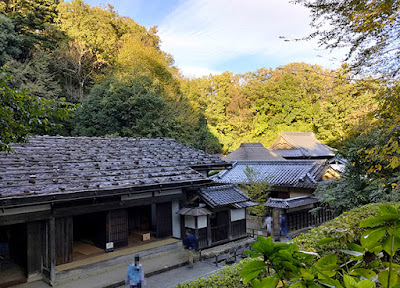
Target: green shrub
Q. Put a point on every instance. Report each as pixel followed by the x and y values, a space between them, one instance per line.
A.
pixel 372 263
pixel 227 277
pixel 345 227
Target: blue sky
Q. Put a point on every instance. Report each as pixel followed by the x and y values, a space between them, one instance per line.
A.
pixel 213 36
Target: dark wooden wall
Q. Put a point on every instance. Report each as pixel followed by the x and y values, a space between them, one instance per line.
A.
pixel 164 219
pixel 64 239
pixel 117 227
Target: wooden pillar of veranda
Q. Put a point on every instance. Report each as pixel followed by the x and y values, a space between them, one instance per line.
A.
pixel 209 239
pixel 52 249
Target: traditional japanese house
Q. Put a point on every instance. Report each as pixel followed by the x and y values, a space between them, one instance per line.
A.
pixel 301 145
pixel 217 215
pixel 289 179
pixel 297 212
pixel 62 195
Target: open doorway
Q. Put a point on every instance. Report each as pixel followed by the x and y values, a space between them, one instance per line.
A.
pixel 141 225
pixel 89 235
pixel 13 255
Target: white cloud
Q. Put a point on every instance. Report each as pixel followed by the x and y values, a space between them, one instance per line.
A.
pixel 205 33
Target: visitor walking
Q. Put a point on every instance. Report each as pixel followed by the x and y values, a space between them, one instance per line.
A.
pixel 190 244
pixel 283 229
pixel 268 224
pixel 135 276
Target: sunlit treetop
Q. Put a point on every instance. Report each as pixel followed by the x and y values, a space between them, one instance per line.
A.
pixel 370 29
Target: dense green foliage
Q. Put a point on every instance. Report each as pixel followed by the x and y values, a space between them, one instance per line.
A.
pixel 139 106
pixel 359 184
pixel 91 55
pixel 255 107
pixel 371 261
pixel 63 50
pixel 345 228
pixel 20 112
pixel 227 277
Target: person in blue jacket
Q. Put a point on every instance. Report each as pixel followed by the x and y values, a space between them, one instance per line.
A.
pixel 135 276
pixel 190 243
pixel 283 229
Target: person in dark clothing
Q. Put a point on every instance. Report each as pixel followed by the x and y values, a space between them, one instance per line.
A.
pixel 283 229
pixel 190 244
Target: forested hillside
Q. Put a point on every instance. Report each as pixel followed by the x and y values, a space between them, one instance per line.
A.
pixel 256 106
pixel 110 66
pixel 107 76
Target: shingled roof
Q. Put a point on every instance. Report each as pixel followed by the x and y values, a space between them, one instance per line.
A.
pixel 64 167
pixel 290 202
pixel 301 145
pixel 289 173
pixel 252 152
pixel 223 195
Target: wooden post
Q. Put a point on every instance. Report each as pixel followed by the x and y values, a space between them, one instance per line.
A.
pixel 196 230
pixel 229 225
pixel 209 239
pixel 52 244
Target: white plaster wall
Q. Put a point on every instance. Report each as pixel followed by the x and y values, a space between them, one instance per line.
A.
pixel 238 214
pixel 176 220
pixel 202 222
pixel 189 222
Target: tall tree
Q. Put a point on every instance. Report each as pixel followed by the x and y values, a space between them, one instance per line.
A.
pixel 138 106
pixel 36 76
pixel 34 21
pixel 22 113
pixel 10 41
pixel 101 43
pixel 370 29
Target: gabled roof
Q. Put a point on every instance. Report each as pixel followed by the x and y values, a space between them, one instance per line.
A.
pixel 66 167
pixel 194 211
pixel 252 152
pixel 289 173
pixel 301 145
pixel 216 196
pixel 290 202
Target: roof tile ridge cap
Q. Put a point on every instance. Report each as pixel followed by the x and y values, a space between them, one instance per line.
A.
pixel 276 199
pixel 298 197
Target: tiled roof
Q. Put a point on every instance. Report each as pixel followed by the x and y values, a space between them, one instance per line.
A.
pixel 67 165
pixel 290 202
pixel 224 195
pixel 193 211
pixel 300 145
pixel 289 173
pixel 252 152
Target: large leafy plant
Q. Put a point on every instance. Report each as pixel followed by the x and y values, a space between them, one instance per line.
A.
pixel 370 264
